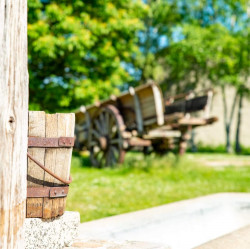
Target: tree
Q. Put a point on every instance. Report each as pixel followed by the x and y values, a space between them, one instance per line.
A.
pixel 163 28
pixel 13 122
pixel 77 50
pixel 208 56
pixel 244 86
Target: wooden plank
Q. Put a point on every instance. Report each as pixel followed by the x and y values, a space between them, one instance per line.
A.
pixel 138 113
pixel 150 121
pixel 184 138
pixel 36 174
pixel 159 104
pixel 171 118
pixel 66 123
pixel 148 111
pixel 192 121
pixel 50 163
pixel 13 122
pixel 136 141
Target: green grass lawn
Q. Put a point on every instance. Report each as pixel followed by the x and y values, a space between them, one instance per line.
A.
pixel 147 181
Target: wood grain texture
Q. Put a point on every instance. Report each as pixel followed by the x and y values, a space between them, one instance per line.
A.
pixel 50 163
pixel 13 121
pixel 35 174
pixel 57 160
pixel 66 125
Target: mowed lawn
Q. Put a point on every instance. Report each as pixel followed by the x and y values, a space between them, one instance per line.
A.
pixel 147 181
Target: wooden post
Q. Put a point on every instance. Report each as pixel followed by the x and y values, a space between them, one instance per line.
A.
pixel 13 121
pixel 185 136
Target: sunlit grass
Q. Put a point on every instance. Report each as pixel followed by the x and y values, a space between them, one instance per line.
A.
pixel 147 181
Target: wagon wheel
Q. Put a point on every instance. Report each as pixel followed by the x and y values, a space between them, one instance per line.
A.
pixel 105 138
pixel 81 130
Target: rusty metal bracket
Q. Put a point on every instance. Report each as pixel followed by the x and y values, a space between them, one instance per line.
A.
pixel 48 142
pixel 49 171
pixel 50 192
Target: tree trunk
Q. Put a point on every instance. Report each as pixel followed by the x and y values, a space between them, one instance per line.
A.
pixel 228 142
pixel 228 120
pixel 237 137
pixel 13 121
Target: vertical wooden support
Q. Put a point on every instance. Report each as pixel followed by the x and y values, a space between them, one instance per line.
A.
pixel 138 114
pixel 13 121
pixel 185 136
pixel 159 104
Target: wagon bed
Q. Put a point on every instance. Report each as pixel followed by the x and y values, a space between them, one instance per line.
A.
pixel 108 128
pixel 139 117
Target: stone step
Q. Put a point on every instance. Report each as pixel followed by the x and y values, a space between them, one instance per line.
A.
pixel 104 244
pixel 54 233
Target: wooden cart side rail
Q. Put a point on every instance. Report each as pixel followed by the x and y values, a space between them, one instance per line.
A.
pixel 194 122
pixel 113 98
pixel 135 106
pixel 192 105
pixel 189 94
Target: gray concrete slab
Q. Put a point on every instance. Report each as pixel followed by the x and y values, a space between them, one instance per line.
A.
pixel 180 225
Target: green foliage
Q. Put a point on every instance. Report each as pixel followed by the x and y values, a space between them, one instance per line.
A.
pixel 189 44
pixel 76 50
pixel 147 182
pixel 82 51
pixel 210 53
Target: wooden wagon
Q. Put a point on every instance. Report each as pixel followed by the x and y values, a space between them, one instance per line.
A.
pixel 140 118
pixel 107 129
pixel 182 113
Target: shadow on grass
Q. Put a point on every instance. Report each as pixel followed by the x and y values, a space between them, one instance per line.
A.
pixel 83 160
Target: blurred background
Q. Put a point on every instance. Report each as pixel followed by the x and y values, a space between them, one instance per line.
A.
pixel 84 51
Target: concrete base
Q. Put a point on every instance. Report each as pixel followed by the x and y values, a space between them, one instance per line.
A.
pixel 179 225
pixel 52 234
pixel 239 239
pixel 103 244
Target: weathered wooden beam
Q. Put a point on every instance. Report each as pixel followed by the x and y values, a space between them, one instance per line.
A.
pixel 13 121
pixel 171 118
pixel 136 141
pixel 159 104
pixel 138 114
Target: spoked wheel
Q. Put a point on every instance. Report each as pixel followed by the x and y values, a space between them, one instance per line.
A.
pixel 105 138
